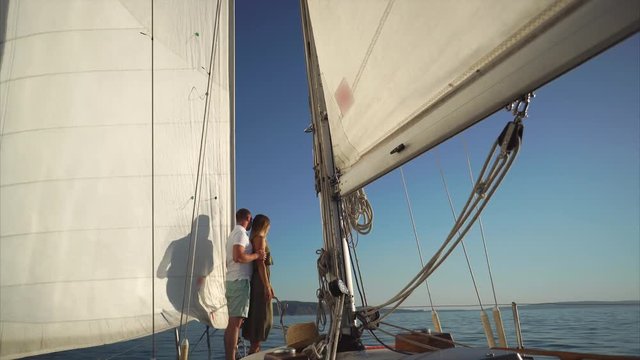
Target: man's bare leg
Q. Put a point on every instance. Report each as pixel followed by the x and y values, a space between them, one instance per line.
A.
pixel 231 334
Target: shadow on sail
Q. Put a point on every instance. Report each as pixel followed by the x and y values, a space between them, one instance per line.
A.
pixel 4 14
pixel 175 266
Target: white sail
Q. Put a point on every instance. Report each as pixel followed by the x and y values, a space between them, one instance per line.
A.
pixel 97 196
pixel 412 73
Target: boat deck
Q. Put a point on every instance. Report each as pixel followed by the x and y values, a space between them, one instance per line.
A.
pixel 445 354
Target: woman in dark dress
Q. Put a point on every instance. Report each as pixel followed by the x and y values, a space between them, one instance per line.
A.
pixel 257 326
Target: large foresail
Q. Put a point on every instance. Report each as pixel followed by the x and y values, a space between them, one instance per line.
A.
pixel 115 169
pixel 408 74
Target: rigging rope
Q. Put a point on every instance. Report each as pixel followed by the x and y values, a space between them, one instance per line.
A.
pixel 322 293
pixel 503 152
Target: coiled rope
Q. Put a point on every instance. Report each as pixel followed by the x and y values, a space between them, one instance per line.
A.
pixel 358 213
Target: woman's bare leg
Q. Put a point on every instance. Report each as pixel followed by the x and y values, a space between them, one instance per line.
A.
pixel 255 347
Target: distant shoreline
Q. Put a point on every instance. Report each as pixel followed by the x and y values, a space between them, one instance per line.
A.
pixel 619 302
pixel 310 308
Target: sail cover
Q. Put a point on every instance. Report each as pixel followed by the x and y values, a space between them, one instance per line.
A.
pixel 112 175
pixel 409 74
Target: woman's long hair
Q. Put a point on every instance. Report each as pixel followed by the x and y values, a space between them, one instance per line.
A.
pixel 260 226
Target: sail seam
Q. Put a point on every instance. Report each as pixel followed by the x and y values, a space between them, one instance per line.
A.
pixel 80 321
pixel 512 43
pixel 4 236
pixel 79 281
pixel 68 30
pixel 88 72
pixel 185 123
pixel 7 185
pixel 374 40
pixel 520 37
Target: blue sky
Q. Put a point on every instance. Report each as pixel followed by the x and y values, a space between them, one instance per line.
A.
pixel 565 225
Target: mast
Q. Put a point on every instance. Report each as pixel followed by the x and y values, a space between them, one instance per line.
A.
pixel 342 331
pixel 232 108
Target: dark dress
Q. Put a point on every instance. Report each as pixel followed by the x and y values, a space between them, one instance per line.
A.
pixel 257 326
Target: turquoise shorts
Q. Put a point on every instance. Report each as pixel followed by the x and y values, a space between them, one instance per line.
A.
pixel 238 294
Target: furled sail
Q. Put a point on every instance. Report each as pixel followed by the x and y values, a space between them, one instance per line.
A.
pixel 116 191
pixel 406 75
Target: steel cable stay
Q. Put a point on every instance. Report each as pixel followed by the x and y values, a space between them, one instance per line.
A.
pixel 483 316
pixel 353 210
pixel 356 270
pixel 183 328
pixel 153 219
pixel 356 207
pixel 358 215
pixel 362 292
pixel 434 314
pixel 497 317
pixel 482 234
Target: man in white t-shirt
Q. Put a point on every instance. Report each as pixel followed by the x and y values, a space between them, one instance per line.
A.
pixel 238 283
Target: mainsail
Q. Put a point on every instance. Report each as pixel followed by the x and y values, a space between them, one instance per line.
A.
pixel 408 75
pixel 116 169
pixel 389 80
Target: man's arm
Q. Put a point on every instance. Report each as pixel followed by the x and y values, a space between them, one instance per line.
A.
pixel 239 255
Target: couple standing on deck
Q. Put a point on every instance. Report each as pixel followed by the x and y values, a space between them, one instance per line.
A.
pixel 248 288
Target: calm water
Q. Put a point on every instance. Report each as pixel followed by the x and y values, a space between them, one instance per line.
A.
pixel 605 329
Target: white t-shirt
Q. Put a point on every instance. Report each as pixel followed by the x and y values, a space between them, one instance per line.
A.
pixel 237 271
